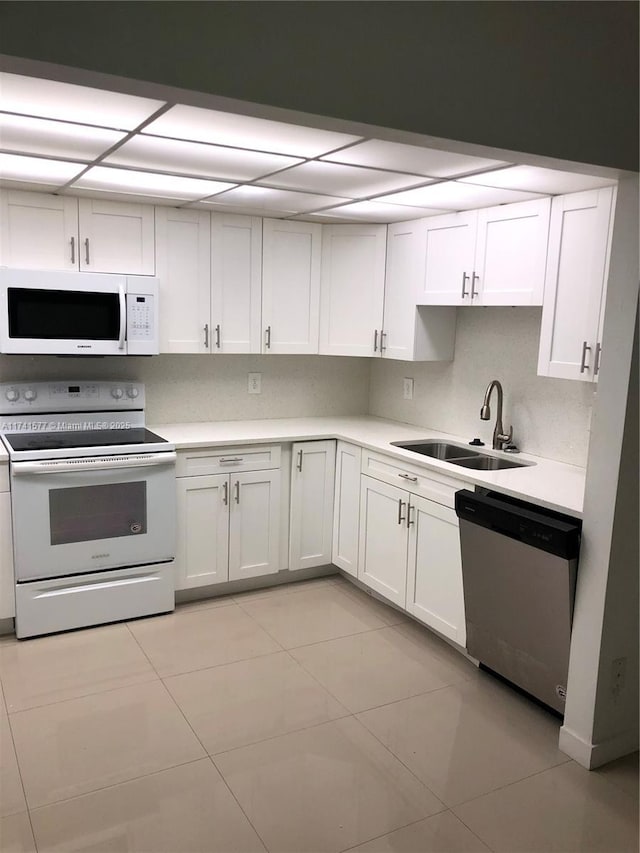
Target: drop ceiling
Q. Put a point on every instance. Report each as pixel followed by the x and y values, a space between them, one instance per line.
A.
pixel 75 140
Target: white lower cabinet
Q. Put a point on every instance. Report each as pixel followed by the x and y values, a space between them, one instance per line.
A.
pixel 346 508
pixel 228 526
pixel 312 487
pixel 7 584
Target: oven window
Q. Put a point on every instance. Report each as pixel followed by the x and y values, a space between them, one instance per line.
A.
pixel 63 314
pixel 85 513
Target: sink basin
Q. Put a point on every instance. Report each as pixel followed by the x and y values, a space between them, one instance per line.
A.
pixel 436 449
pixel 487 463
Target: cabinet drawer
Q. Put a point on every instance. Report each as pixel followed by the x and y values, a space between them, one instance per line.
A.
pixel 224 460
pixel 429 484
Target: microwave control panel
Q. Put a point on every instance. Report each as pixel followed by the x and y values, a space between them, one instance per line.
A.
pixel 141 317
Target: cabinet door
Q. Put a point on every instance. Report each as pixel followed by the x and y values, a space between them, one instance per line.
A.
pixel 346 513
pixel 116 237
pixel 412 333
pixel 183 269
pixel 448 259
pixel 254 524
pixel 312 485
pixel 236 264
pixel 291 286
pixel 203 531
pixel 434 574
pixel 38 231
pixel 382 557
pixel 7 583
pixel 579 243
pixel 352 289
pixel 511 253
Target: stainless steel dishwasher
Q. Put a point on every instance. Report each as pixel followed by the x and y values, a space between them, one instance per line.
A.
pixel 519 566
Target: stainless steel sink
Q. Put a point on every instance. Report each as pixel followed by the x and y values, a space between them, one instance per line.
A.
pixel 459 454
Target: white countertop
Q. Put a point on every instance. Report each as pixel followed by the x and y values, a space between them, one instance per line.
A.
pixel 555 485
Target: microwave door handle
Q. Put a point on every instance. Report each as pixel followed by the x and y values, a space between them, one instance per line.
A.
pixel 123 316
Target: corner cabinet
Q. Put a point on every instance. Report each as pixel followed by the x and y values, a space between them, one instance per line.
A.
pixel 352 289
pixel 346 508
pixel 63 233
pixel 576 285
pixel 312 488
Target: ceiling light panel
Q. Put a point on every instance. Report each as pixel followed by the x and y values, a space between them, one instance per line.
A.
pixel 237 131
pixel 350 181
pixel 55 138
pixel 37 170
pixel 535 179
pixel 265 198
pixel 373 211
pixel 68 102
pixel 148 183
pixel 411 158
pixel 213 161
pixel 454 195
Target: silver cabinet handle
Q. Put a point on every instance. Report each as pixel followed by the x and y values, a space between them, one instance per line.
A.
pixel 218 336
pixel 409 511
pixel 465 279
pixel 596 362
pixel 375 340
pixel 267 337
pixel 227 460
pixel 299 463
pixel 237 491
pixel 73 249
pixel 474 277
pixel 400 516
pixel 383 335
pixel 86 252
pixel 583 361
pixel 408 477
pixel 206 336
pixel 225 493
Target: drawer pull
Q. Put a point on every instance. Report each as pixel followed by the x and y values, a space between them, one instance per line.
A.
pixel 227 460
pixel 408 477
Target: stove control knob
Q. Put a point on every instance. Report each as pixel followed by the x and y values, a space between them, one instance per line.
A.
pixel 132 393
pixel 12 395
pixel 30 394
pixel 117 393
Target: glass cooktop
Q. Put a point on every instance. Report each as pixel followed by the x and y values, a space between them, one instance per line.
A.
pixel 68 439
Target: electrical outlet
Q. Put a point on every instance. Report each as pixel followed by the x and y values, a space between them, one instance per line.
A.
pixel 618 676
pixel 255 383
pixel 407 389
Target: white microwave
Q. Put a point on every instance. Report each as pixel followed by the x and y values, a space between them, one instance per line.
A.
pixel 44 312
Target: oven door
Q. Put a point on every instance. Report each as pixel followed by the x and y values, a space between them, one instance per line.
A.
pixel 83 515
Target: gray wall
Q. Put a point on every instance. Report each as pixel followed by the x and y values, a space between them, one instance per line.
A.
pixel 552 78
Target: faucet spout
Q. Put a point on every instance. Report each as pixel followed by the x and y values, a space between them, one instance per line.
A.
pixel 499 436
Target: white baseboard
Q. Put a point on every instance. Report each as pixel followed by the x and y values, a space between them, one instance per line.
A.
pixel 592 755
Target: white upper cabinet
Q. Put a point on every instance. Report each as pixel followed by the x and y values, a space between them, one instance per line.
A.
pixel 494 256
pixel 290 286
pixel 40 231
pixel 116 237
pixel 411 332
pixel 183 270
pixel 312 487
pixel 236 272
pixel 577 269
pixel 352 289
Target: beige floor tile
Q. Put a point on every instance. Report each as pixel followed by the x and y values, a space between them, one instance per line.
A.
pixel 564 810
pixel 468 739
pixel 11 793
pixel 77 746
pixel 315 615
pixel 16 835
pixel 324 789
pixel 186 642
pixel 283 589
pixel 623 773
pixel 65 666
pixel 389 615
pixel 377 667
pixel 187 809
pixel 442 833
pixel 241 703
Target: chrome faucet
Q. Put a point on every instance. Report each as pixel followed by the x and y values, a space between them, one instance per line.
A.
pixel 499 437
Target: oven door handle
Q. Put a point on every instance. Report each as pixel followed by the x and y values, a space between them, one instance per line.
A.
pixel 123 316
pixel 95 463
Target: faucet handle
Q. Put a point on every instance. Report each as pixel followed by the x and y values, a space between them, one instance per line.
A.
pixel 505 439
